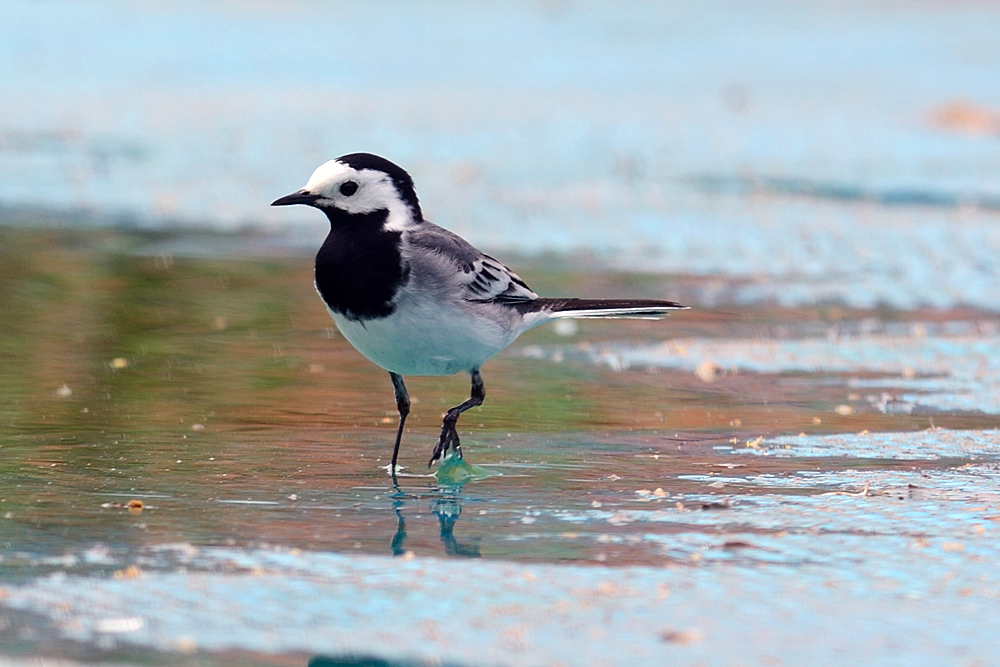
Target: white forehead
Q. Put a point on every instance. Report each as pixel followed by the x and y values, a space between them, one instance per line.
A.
pixel 327 173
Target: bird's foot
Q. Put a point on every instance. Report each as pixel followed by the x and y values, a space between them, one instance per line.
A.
pixel 448 440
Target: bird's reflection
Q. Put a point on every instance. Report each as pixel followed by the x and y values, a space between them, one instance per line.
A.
pixel 447 508
pixel 398 543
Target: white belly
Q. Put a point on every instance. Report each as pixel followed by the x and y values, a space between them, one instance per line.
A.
pixel 426 339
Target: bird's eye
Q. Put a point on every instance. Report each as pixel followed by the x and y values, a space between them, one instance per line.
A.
pixel 348 188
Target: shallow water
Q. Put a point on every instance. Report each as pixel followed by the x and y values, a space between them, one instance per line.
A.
pixel 746 485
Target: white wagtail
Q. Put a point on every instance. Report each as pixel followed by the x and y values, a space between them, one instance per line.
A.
pixel 415 298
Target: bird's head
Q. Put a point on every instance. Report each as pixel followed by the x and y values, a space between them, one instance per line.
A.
pixel 358 185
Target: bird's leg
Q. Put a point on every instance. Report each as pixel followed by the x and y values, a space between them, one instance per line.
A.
pixel 403 405
pixel 449 434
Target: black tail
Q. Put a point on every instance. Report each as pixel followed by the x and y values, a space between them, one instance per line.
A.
pixel 634 308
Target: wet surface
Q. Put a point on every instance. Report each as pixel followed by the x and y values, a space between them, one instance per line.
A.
pixel 731 486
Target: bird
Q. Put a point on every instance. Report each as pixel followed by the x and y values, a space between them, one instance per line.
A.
pixel 417 299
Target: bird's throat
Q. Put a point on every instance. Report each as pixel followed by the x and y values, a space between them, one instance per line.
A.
pixel 359 268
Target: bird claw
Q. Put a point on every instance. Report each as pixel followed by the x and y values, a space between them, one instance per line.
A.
pixel 448 440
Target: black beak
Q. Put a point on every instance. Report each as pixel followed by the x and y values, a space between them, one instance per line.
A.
pixel 300 197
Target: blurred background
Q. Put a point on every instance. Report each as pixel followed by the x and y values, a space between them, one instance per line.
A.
pixel 843 151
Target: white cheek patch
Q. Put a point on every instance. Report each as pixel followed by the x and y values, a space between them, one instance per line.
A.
pixel 400 219
pixel 378 193
pixel 374 194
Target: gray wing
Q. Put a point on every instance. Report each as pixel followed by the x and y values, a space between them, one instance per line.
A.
pixel 481 277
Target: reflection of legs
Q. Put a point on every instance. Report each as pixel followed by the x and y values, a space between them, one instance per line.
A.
pixel 399 539
pixel 403 405
pixel 448 512
pixel 449 434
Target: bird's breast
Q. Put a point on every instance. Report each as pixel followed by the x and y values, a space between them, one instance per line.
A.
pixel 359 271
